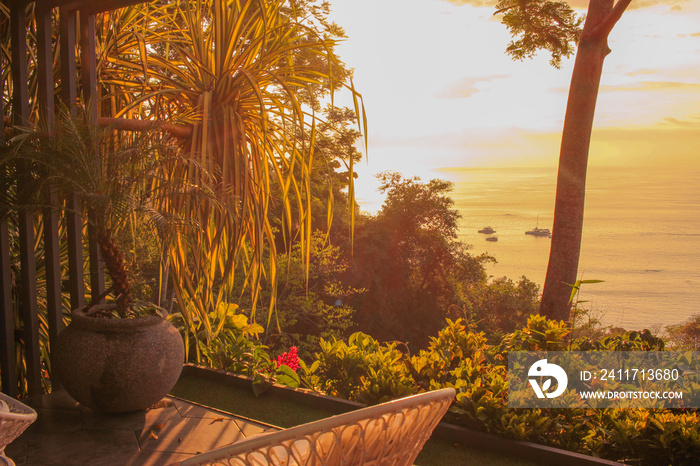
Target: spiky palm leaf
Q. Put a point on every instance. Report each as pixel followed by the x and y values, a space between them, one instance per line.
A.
pixel 117 183
pixel 238 68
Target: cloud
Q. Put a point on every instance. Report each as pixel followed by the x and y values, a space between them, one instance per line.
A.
pixel 466 87
pixel 489 3
pixel 581 4
pixel 576 4
pixel 641 4
pixel 647 86
pixel 642 71
pixel 693 122
pixel 671 142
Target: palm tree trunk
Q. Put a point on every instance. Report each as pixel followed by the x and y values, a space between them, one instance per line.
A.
pixel 115 264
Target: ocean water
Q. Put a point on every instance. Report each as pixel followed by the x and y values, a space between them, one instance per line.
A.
pixel 641 236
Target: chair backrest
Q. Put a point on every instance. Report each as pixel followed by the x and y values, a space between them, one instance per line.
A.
pixel 14 418
pixel 391 433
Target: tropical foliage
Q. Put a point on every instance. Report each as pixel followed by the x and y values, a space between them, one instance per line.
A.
pixel 540 25
pixel 685 335
pixel 248 77
pixel 311 301
pixel 242 86
pixel 366 370
pixel 416 272
pixel 122 186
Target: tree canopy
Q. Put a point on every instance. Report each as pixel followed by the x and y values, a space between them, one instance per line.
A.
pixel 540 25
pixel 414 271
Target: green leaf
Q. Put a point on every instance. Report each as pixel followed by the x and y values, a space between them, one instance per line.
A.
pixel 286 376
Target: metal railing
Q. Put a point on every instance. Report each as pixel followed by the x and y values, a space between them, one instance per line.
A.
pixel 72 14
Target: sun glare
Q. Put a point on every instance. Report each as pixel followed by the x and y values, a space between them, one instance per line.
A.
pixel 440 91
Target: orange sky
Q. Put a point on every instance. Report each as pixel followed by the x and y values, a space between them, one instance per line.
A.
pixel 440 92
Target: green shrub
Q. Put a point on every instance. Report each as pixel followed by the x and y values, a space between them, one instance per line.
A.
pixel 628 341
pixel 686 335
pixel 539 334
pixel 366 370
pixel 433 367
pixel 361 370
pixel 232 345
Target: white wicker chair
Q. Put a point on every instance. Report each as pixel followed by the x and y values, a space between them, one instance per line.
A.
pixel 391 433
pixel 14 418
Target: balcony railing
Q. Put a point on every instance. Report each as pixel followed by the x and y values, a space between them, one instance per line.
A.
pixel 72 14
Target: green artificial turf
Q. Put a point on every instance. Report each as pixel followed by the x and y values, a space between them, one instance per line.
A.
pixel 284 413
pixel 243 402
pixel 439 452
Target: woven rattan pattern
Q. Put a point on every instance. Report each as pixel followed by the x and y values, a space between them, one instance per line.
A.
pixel 15 417
pixel 388 434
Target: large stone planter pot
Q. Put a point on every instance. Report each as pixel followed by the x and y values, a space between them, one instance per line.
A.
pixel 118 365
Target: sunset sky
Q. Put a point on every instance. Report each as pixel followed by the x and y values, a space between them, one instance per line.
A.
pixel 440 92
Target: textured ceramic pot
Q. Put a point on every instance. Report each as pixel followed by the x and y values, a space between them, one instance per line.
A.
pixel 118 365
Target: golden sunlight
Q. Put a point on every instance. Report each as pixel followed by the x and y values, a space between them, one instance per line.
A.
pixel 443 100
pixel 440 90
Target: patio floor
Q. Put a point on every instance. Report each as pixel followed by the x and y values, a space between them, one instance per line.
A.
pixel 67 433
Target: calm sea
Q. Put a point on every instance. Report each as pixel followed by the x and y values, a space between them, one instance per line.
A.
pixel 641 236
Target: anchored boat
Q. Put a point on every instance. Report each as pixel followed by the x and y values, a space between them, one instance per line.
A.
pixel 537 231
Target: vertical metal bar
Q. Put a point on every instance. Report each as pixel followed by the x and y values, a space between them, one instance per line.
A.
pixel 52 259
pixel 20 88
pixel 69 95
pixel 88 64
pixel 8 365
pixel 69 71
pixel 45 64
pixel 20 107
pixel 88 76
pixel 5 86
pixel 74 232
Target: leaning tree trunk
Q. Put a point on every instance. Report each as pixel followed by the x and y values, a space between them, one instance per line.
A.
pixel 573 158
pixel 115 263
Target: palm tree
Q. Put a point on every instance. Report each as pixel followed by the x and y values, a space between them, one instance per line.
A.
pixel 247 76
pixel 120 182
pixel 239 83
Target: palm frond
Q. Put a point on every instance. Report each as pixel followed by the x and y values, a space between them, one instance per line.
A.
pixel 240 69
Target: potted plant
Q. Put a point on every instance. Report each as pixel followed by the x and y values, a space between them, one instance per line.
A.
pixel 122 355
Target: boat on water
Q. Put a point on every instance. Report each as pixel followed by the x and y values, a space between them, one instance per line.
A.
pixel 492 238
pixel 487 231
pixel 537 231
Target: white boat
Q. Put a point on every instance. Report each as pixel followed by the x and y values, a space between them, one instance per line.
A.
pixel 537 231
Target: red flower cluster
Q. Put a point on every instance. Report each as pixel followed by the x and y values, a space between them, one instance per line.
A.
pixel 290 359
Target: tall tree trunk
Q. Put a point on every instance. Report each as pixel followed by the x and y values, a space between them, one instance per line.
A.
pixel 573 158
